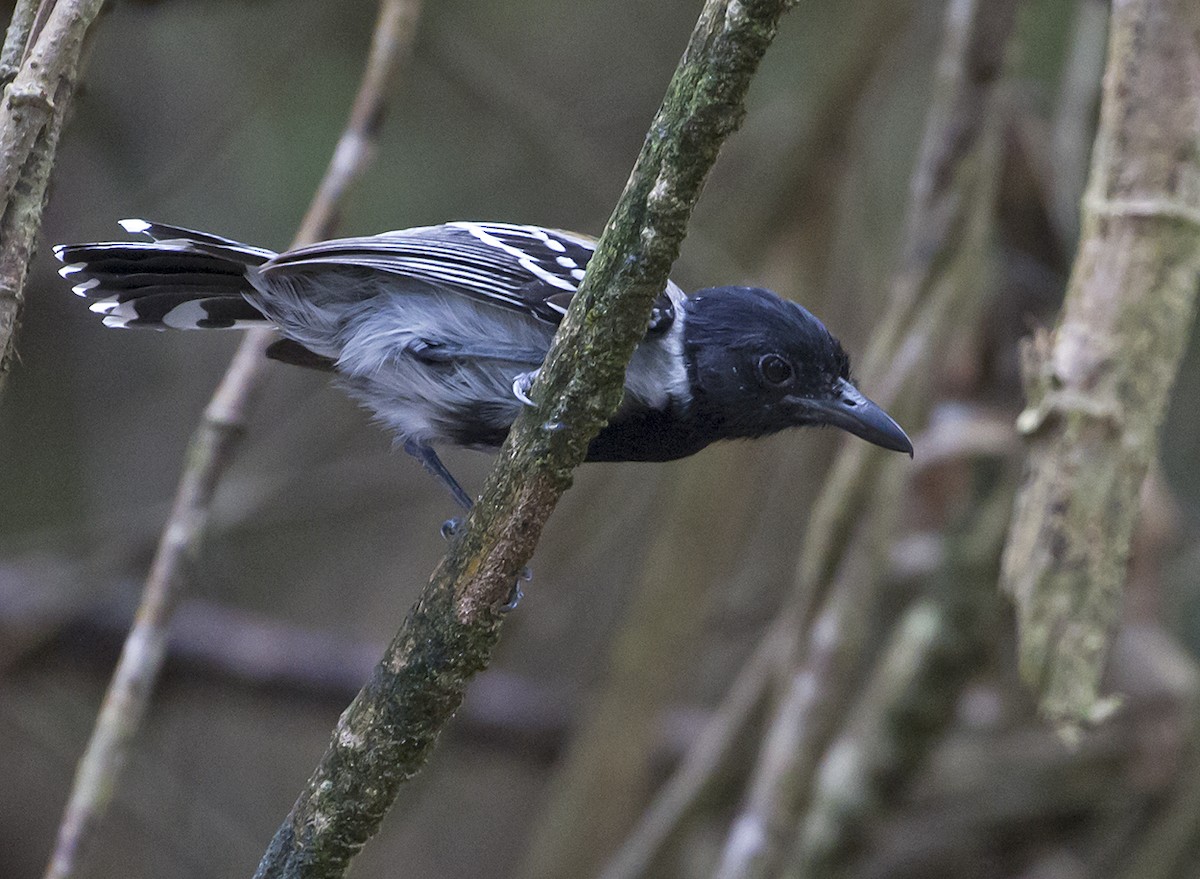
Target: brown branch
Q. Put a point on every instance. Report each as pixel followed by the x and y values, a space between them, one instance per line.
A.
pixel 1098 386
pixel 943 186
pixel 43 77
pixel 387 733
pixel 210 451
pixel 802 719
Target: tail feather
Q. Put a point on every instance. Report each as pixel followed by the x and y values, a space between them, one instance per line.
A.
pixel 180 280
pixel 208 241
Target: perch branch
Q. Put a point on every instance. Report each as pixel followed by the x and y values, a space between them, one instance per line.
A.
pixel 1098 386
pixel 387 733
pixel 209 454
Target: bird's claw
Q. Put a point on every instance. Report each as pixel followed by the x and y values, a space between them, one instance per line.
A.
pixel 521 385
pixel 450 527
pixel 514 597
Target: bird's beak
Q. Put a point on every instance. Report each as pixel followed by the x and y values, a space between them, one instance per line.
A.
pixel 854 413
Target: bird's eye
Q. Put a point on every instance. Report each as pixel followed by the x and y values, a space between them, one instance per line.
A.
pixel 775 370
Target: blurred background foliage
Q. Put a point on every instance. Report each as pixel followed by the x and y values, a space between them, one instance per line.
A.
pixel 220 116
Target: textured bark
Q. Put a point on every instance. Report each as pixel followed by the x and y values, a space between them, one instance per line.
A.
pixel 1098 386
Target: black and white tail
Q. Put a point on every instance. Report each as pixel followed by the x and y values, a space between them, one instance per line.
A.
pixel 180 279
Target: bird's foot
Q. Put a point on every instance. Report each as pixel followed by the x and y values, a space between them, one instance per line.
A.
pixel 450 527
pixel 514 597
pixel 521 385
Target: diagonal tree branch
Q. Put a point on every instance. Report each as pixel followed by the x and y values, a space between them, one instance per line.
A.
pixel 211 449
pixel 1098 387
pixel 387 733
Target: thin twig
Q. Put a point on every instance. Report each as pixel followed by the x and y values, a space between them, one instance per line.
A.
pixel 801 722
pixel 388 732
pixel 934 228
pixel 209 454
pixel 34 105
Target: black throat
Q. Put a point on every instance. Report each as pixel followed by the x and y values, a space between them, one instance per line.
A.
pixel 644 434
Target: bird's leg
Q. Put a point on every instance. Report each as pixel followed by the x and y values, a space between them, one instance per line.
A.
pixel 440 351
pixel 432 463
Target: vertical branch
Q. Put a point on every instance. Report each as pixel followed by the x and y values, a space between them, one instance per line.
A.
pixel 1098 386
pixel 211 449
pixel 1075 117
pixel 35 102
pixel 714 748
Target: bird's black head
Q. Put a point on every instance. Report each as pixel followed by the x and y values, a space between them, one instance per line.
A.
pixel 758 364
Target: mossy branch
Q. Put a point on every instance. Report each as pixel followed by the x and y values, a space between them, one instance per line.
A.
pixel 387 733
pixel 1099 385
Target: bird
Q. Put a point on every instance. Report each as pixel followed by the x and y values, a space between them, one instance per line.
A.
pixel 439 331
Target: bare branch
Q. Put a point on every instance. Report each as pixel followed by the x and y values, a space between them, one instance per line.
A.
pixel 943 185
pixel 1098 386
pixel 912 689
pixel 609 771
pixel 209 454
